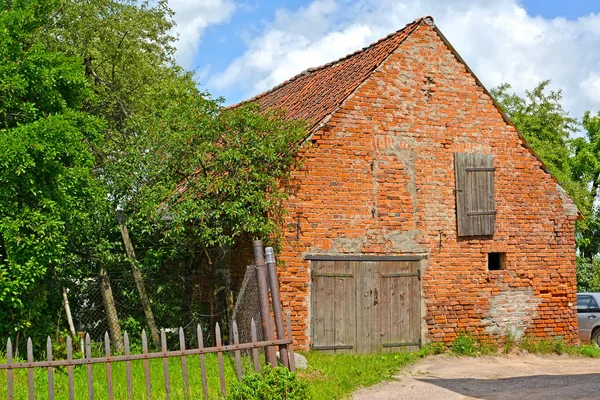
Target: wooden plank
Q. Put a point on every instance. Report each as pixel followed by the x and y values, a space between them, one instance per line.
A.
pixel 90 370
pixel 202 361
pixel 290 338
pixel 462 222
pixel 385 278
pixel 322 298
pixel 128 367
pixel 71 383
pixel 184 369
pixel 167 379
pixel 360 257
pixel 50 370
pixel 220 359
pixel 344 308
pixel 404 309
pixel 146 366
pixel 254 347
pixel 238 358
pixel 30 386
pixel 109 380
pixel 366 319
pixel 9 358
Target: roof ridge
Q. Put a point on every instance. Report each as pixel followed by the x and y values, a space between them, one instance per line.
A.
pixel 416 22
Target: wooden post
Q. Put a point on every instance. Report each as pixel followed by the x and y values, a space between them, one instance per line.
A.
pixel 111 310
pixel 139 281
pixel 277 310
pixel 263 294
pixel 69 316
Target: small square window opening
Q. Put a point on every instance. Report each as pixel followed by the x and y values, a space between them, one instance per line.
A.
pixel 495 261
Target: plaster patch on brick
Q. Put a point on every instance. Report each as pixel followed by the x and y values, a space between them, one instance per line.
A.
pixel 567 203
pixel 408 158
pixel 347 245
pixel 511 311
pixel 405 242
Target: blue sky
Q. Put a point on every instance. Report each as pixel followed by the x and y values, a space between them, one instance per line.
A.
pixel 241 48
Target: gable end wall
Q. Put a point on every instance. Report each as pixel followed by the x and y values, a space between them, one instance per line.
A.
pixel 378 179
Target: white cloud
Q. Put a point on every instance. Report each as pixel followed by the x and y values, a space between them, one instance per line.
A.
pixel 591 87
pixel 498 39
pixel 192 17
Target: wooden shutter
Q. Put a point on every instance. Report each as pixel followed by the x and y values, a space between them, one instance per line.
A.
pixel 475 211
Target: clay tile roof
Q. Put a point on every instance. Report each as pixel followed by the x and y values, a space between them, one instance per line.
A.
pixel 316 93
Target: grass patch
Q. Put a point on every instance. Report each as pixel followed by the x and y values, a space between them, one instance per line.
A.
pixel 329 376
pixel 558 346
pixel 335 376
pixel 466 345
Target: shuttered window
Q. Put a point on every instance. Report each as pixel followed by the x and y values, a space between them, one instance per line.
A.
pixel 475 211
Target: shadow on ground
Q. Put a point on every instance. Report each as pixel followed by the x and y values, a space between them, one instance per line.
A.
pixel 584 386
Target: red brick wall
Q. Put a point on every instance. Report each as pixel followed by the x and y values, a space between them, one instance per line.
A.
pixel 379 179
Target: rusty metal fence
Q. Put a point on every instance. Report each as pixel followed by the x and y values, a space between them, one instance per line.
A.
pixel 267 279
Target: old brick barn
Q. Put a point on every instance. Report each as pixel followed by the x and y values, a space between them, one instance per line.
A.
pixel 420 210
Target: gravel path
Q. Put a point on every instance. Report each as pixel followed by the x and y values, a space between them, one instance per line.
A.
pixel 501 377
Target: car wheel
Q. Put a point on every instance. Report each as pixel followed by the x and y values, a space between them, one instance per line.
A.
pixel 596 337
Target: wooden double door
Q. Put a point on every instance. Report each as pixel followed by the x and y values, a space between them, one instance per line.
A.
pixel 365 306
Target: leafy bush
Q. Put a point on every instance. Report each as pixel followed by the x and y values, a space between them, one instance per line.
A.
pixel 432 348
pixel 464 345
pixel 272 384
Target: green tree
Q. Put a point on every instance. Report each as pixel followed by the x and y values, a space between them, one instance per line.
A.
pixel 48 195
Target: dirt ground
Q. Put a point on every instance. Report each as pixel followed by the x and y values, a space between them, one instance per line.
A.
pixel 494 377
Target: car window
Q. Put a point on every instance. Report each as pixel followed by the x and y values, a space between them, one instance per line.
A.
pixel 583 303
pixel 593 306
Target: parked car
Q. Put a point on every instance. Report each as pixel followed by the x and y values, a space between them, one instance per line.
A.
pixel 588 313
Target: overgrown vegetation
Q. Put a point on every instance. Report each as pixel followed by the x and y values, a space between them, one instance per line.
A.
pixel 466 344
pixel 97 120
pixel 272 384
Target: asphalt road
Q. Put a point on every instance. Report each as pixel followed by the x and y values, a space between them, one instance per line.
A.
pixel 500 377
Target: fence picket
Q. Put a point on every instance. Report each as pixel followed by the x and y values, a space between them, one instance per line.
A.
pixel 50 370
pixel 184 371
pixel 267 344
pixel 202 362
pixel 220 358
pixel 163 340
pixel 146 365
pixel 70 368
pixel 238 358
pixel 30 370
pixel 109 380
pixel 254 349
pixel 276 302
pixel 90 373
pixel 9 357
pixel 290 346
pixel 128 367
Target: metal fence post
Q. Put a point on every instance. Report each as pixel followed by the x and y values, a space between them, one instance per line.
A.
pixel 277 309
pixel 263 294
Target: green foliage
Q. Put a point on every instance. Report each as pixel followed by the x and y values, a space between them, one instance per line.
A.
pixel 277 383
pixel 588 275
pixel 548 346
pixel 95 115
pixel 464 345
pixel 48 193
